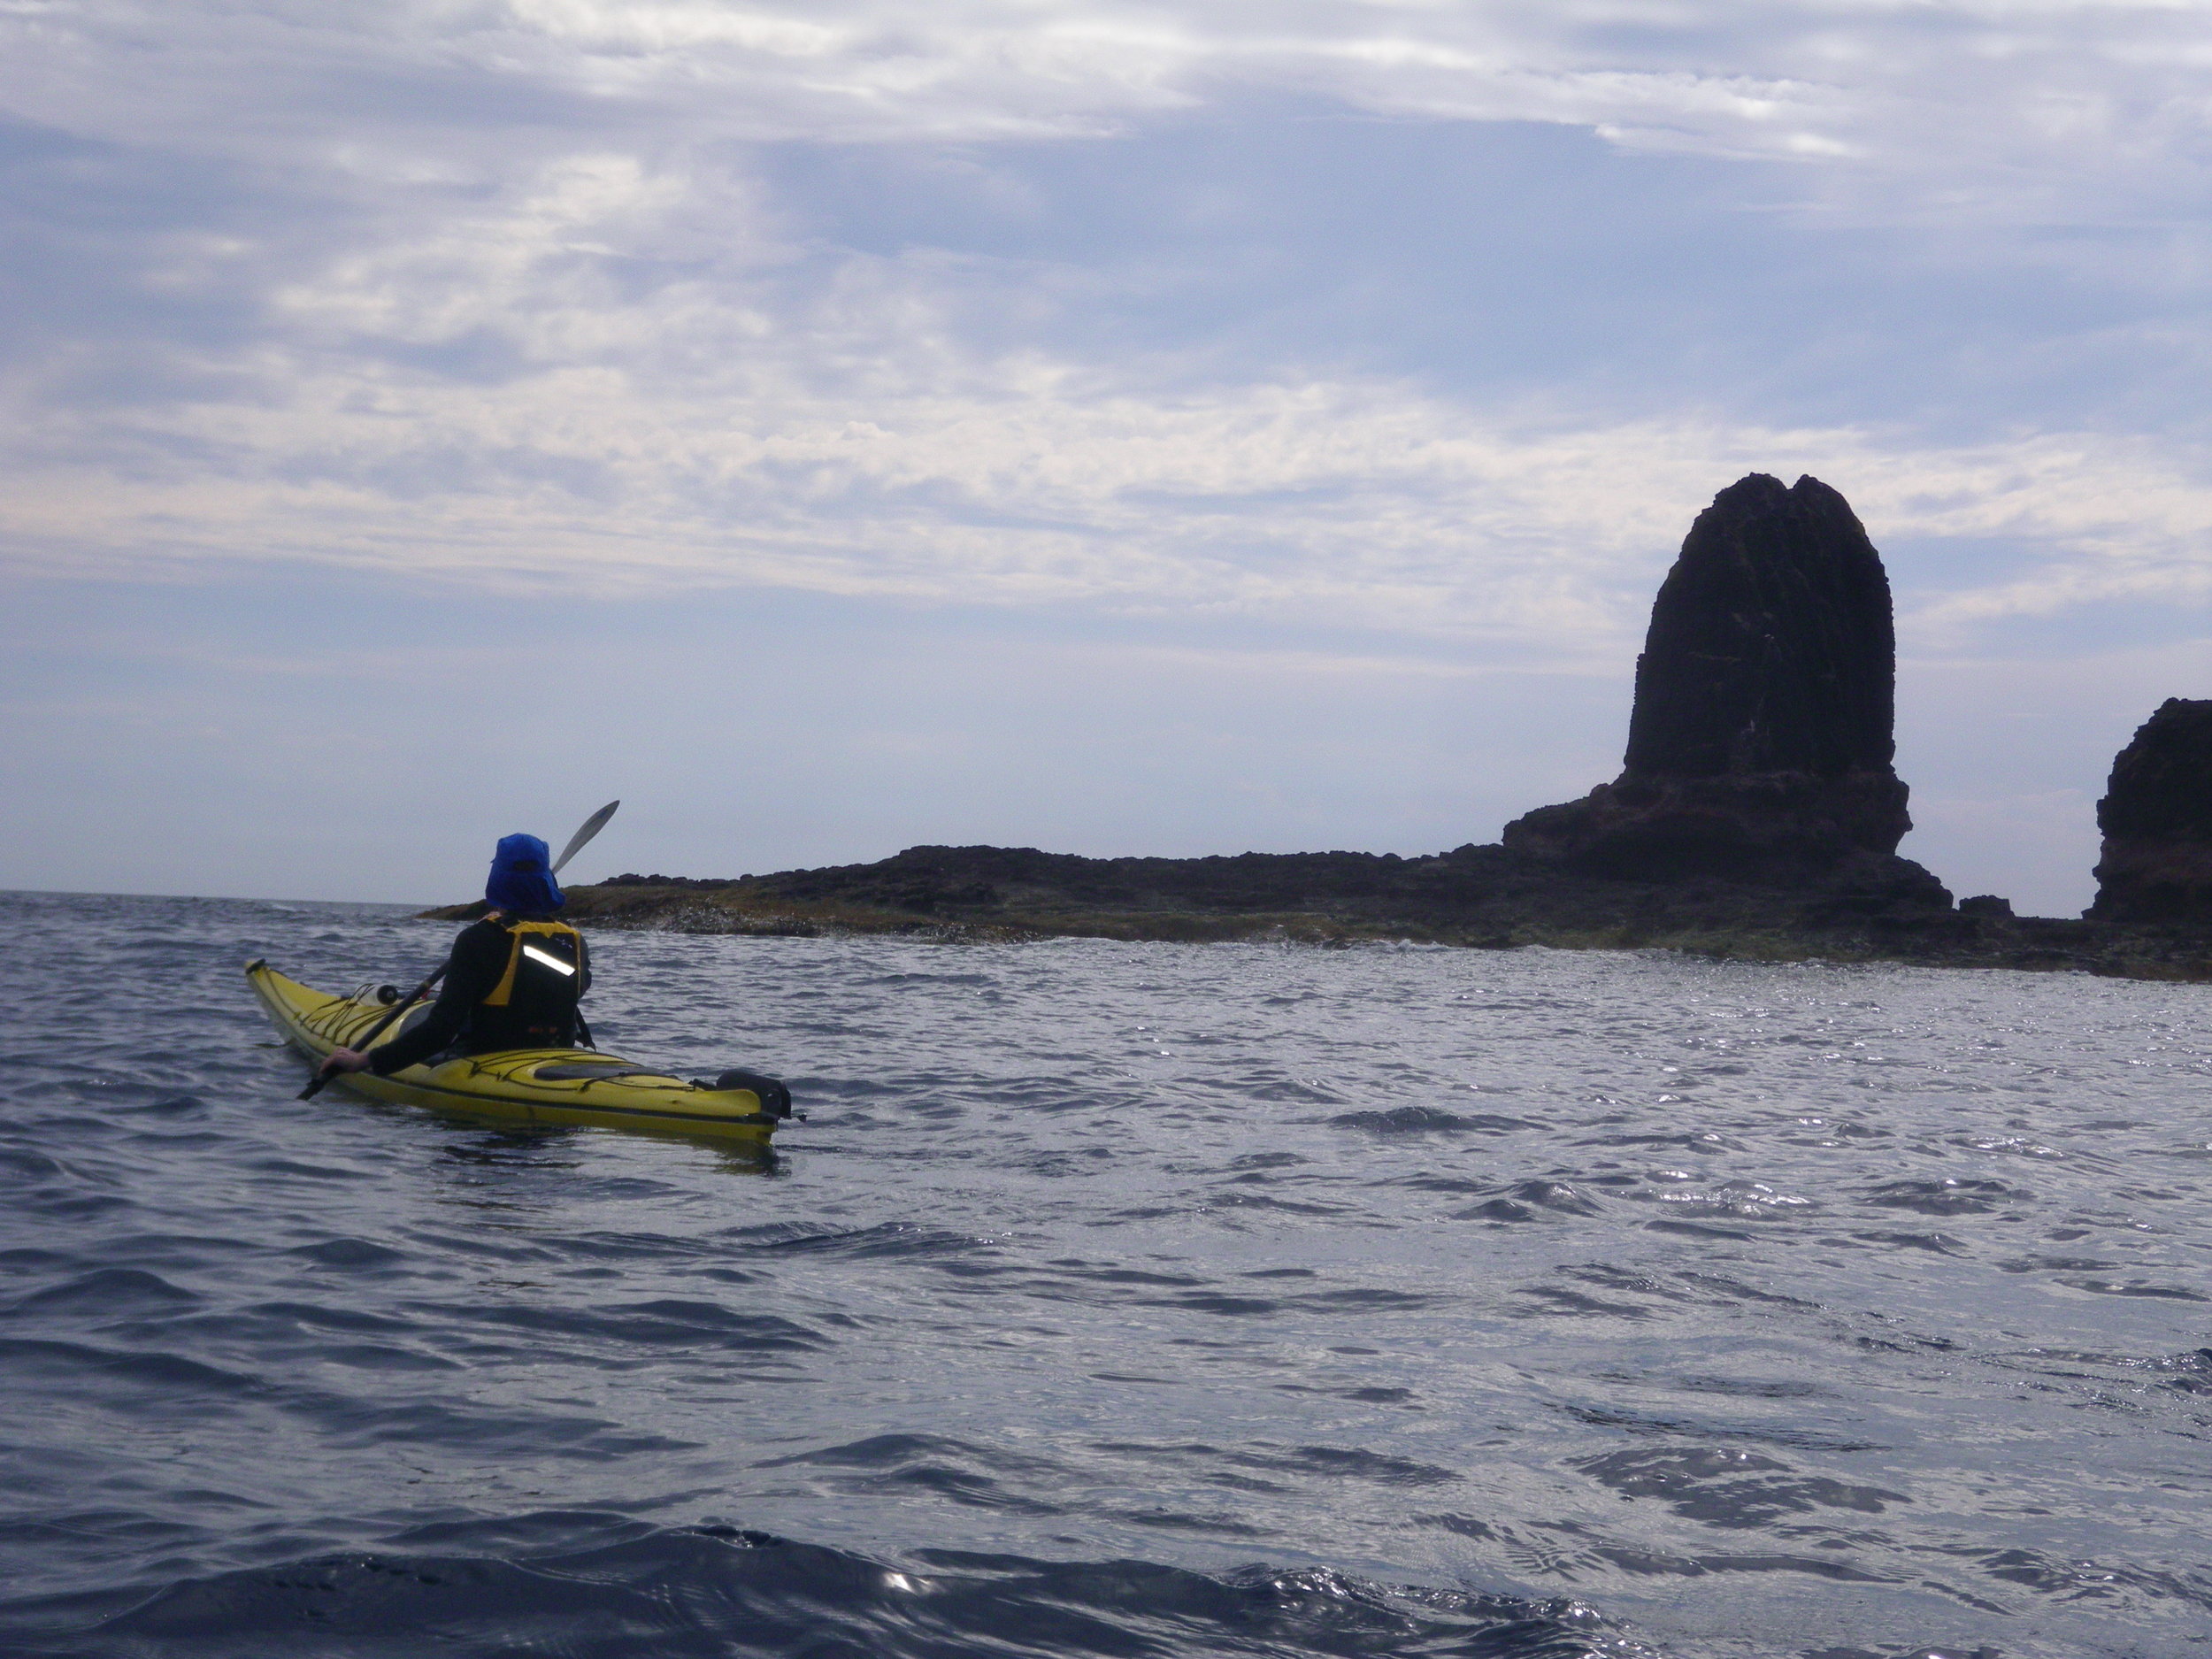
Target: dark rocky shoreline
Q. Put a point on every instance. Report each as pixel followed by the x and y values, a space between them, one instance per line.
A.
pixel 1481 897
pixel 1757 816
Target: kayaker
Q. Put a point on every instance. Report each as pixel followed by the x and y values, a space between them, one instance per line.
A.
pixel 514 979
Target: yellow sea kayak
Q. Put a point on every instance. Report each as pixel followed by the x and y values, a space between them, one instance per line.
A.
pixel 537 1086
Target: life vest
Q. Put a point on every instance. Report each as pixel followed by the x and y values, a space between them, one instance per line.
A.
pixel 543 960
pixel 533 1005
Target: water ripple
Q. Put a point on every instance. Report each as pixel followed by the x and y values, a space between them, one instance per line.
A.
pixel 1493 1302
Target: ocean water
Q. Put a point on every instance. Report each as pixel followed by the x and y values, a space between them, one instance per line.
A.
pixel 1114 1300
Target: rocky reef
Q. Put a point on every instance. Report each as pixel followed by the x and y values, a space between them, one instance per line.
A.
pixel 1757 815
pixel 2156 817
pixel 1487 897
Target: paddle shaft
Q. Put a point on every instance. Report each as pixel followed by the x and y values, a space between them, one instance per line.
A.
pixel 315 1084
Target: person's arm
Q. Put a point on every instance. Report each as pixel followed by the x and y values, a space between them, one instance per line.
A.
pixel 480 956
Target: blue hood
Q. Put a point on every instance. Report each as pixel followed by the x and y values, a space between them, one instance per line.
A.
pixel 521 881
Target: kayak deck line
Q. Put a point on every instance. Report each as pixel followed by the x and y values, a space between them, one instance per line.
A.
pixel 561 1086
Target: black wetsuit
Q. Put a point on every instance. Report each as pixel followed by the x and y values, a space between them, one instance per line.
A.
pixel 539 1013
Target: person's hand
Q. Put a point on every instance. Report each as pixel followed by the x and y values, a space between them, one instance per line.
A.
pixel 345 1060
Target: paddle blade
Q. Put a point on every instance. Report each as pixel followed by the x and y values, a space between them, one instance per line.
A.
pixel 593 825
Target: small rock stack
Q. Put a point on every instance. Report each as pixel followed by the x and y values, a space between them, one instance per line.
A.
pixel 2156 817
pixel 1761 743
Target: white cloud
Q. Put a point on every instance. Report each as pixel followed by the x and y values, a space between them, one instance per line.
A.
pixel 1988 107
pixel 563 343
pixel 683 441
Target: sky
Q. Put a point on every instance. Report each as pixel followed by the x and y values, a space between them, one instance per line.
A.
pixel 1111 427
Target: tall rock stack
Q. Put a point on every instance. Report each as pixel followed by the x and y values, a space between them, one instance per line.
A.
pixel 2156 817
pixel 1762 736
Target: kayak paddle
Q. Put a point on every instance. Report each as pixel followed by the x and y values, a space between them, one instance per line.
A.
pixel 592 825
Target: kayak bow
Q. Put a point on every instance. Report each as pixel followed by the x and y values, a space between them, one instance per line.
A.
pixel 538 1085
